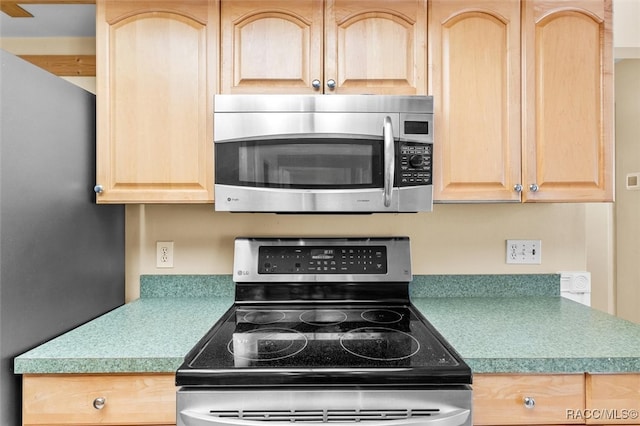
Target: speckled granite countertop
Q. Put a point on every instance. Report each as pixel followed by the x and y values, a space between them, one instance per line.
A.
pixel 534 334
pixel 151 334
pixel 510 324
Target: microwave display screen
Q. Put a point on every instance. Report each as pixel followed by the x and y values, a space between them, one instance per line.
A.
pixel 316 163
pixel 416 127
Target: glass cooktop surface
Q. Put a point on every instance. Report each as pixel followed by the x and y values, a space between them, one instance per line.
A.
pixel 328 337
pixel 322 337
pixel 270 344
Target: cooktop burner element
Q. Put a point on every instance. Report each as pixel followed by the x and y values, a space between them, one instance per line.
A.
pixel 380 343
pixel 323 317
pixel 292 324
pixel 266 344
pixel 264 317
pixel 381 316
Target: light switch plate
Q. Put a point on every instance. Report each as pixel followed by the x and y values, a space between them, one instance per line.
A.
pixel 633 181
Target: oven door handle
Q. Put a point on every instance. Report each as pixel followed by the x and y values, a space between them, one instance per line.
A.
pixel 453 418
pixel 389 159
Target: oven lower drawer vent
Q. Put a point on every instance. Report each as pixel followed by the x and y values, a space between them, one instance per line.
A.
pixel 323 416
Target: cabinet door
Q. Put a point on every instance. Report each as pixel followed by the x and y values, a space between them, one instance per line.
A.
pixel 376 47
pixel 613 399
pixel 75 399
pixel 475 54
pixel 155 86
pixel 568 101
pixel 271 46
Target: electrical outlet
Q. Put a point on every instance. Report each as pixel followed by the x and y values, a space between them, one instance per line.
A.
pixel 524 251
pixel 164 254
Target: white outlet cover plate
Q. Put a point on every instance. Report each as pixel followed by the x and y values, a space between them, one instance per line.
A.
pixel 164 254
pixel 527 252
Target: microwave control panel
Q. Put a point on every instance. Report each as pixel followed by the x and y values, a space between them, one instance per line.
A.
pixel 415 161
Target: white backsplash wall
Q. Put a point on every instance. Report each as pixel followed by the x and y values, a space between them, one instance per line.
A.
pixel 453 239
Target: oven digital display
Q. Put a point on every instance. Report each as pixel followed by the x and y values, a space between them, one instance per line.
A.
pixel 322 260
pixel 322 254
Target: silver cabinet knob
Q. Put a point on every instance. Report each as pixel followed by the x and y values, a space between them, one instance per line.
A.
pixel 98 189
pixel 533 187
pixel 99 403
pixel 529 402
pixel 331 84
pixel 517 187
pixel 316 84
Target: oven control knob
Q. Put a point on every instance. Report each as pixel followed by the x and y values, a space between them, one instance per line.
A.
pixel 529 402
pixel 99 403
pixel 416 160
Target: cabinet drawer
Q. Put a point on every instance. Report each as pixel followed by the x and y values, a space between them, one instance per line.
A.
pixel 500 399
pixel 613 399
pixel 128 399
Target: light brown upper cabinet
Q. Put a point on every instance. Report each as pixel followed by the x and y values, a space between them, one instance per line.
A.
pixel 523 90
pixel 523 100
pixel 475 81
pixel 568 100
pixel 315 46
pixel 156 74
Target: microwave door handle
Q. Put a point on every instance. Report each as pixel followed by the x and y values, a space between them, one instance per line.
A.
pixel 389 159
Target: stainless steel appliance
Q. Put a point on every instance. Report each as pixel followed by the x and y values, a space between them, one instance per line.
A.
pixel 61 255
pixel 323 153
pixel 322 330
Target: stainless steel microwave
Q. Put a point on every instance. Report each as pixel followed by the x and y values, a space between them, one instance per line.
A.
pixel 323 153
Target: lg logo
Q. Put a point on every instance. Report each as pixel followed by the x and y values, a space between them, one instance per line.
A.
pixel 242 273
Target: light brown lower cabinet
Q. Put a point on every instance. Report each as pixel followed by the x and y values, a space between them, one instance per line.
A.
pixel 498 399
pixel 614 399
pixel 556 399
pixel 100 399
pixel 527 399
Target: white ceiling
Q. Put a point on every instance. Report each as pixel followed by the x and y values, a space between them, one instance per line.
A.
pixel 78 20
pixel 55 20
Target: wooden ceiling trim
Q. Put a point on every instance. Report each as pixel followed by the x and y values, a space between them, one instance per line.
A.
pixel 65 65
pixel 53 1
pixel 13 9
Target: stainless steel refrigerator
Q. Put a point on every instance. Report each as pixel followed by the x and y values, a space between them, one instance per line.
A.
pixel 61 255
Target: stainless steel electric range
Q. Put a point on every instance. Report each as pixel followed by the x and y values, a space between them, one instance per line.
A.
pixel 322 330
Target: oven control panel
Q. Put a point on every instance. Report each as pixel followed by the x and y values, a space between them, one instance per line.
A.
pixel 322 260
